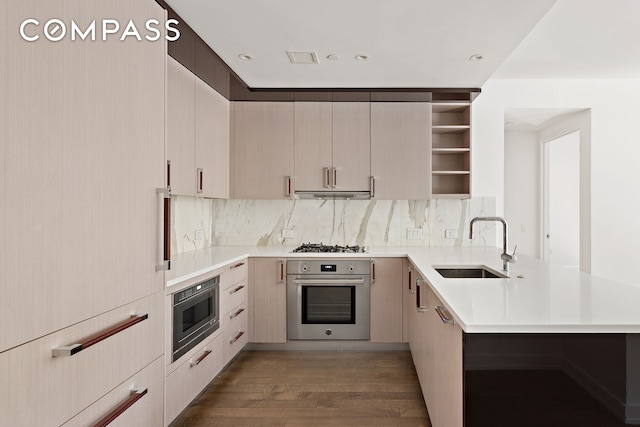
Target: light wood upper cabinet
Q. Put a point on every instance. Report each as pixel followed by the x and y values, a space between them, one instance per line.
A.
pixel 351 146
pixel 332 146
pixel 181 128
pixel 197 135
pixel 269 300
pixel 313 145
pixel 401 150
pixel 262 151
pixel 386 299
pixel 84 146
pixel 212 142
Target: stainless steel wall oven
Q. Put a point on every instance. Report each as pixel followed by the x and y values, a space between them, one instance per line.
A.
pixel 328 300
pixel 195 315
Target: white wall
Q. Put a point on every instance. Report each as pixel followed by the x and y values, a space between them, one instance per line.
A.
pixel 522 191
pixel 615 150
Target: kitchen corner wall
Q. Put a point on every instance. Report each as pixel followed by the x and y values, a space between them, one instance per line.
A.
pixel 339 222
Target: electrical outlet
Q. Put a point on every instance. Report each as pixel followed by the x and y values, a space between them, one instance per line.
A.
pixel 451 233
pixel 199 234
pixel 288 234
pixel 414 233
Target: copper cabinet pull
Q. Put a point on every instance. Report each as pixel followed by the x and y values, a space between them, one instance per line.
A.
pixel 111 416
pixel 236 338
pixel 166 228
pixel 240 264
pixel 335 178
pixel 236 314
pixel 169 173
pixel 200 359
pixel 444 314
pixel 233 291
pixel 289 192
pixel 419 307
pixel 70 350
pixel 327 176
pixel 372 186
pixel 200 173
pixel 411 291
pixel 373 271
pixel 281 272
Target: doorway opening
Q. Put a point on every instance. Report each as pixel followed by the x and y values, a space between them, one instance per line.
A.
pixel 561 200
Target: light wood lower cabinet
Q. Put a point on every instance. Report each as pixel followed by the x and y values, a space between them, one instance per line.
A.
pixel 145 411
pixel 63 386
pixel 269 300
pixel 436 343
pixel 386 300
pixel 233 306
pixel 193 375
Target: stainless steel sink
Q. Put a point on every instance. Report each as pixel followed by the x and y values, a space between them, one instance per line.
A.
pixel 468 272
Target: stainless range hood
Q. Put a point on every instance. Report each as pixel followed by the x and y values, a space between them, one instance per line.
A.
pixel 334 195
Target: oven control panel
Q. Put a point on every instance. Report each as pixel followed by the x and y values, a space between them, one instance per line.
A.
pixel 328 267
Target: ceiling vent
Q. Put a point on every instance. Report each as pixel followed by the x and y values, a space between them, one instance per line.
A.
pixel 303 57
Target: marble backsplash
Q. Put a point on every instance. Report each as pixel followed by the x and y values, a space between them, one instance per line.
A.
pixel 335 222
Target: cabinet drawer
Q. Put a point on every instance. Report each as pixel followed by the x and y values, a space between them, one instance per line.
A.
pixel 188 380
pixel 236 318
pixel 146 411
pixel 232 297
pixel 235 337
pixel 65 385
pixel 236 272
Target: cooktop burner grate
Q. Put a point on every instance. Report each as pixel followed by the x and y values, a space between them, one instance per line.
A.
pixel 322 248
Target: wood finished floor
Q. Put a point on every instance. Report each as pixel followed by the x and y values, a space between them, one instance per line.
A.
pixel 312 388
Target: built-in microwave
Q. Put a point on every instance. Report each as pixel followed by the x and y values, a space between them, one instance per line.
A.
pixel 195 315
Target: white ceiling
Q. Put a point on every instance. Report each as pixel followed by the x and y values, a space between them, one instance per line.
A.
pixel 411 43
pixel 534 119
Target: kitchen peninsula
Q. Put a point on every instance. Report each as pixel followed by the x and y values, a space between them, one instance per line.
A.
pixel 541 317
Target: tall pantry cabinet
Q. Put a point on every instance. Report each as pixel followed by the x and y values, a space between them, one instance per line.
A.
pixel 81 155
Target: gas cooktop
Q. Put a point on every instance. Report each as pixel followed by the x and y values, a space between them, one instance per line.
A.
pixel 322 248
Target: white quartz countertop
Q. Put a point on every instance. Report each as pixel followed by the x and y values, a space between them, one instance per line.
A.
pixel 536 298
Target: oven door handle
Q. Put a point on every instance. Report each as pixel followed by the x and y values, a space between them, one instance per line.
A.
pixel 329 282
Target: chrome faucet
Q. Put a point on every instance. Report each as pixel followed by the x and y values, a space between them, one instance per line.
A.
pixel 506 257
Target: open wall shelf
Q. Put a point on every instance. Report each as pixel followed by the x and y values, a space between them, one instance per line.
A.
pixel 451 150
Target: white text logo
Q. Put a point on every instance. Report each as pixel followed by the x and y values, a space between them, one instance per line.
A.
pixel 55 30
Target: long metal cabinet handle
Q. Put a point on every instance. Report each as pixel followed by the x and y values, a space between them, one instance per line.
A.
pixel 118 410
pixel 236 338
pixel 166 228
pixel 419 307
pixel 281 280
pixel 200 175
pixel 70 350
pixel 444 314
pixel 200 359
pixel 240 264
pixel 335 178
pixel 372 186
pixel 169 173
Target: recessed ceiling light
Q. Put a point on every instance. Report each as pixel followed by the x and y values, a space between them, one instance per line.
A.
pixel 333 57
pixel 245 57
pixel 362 57
pixel 476 57
pixel 510 123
